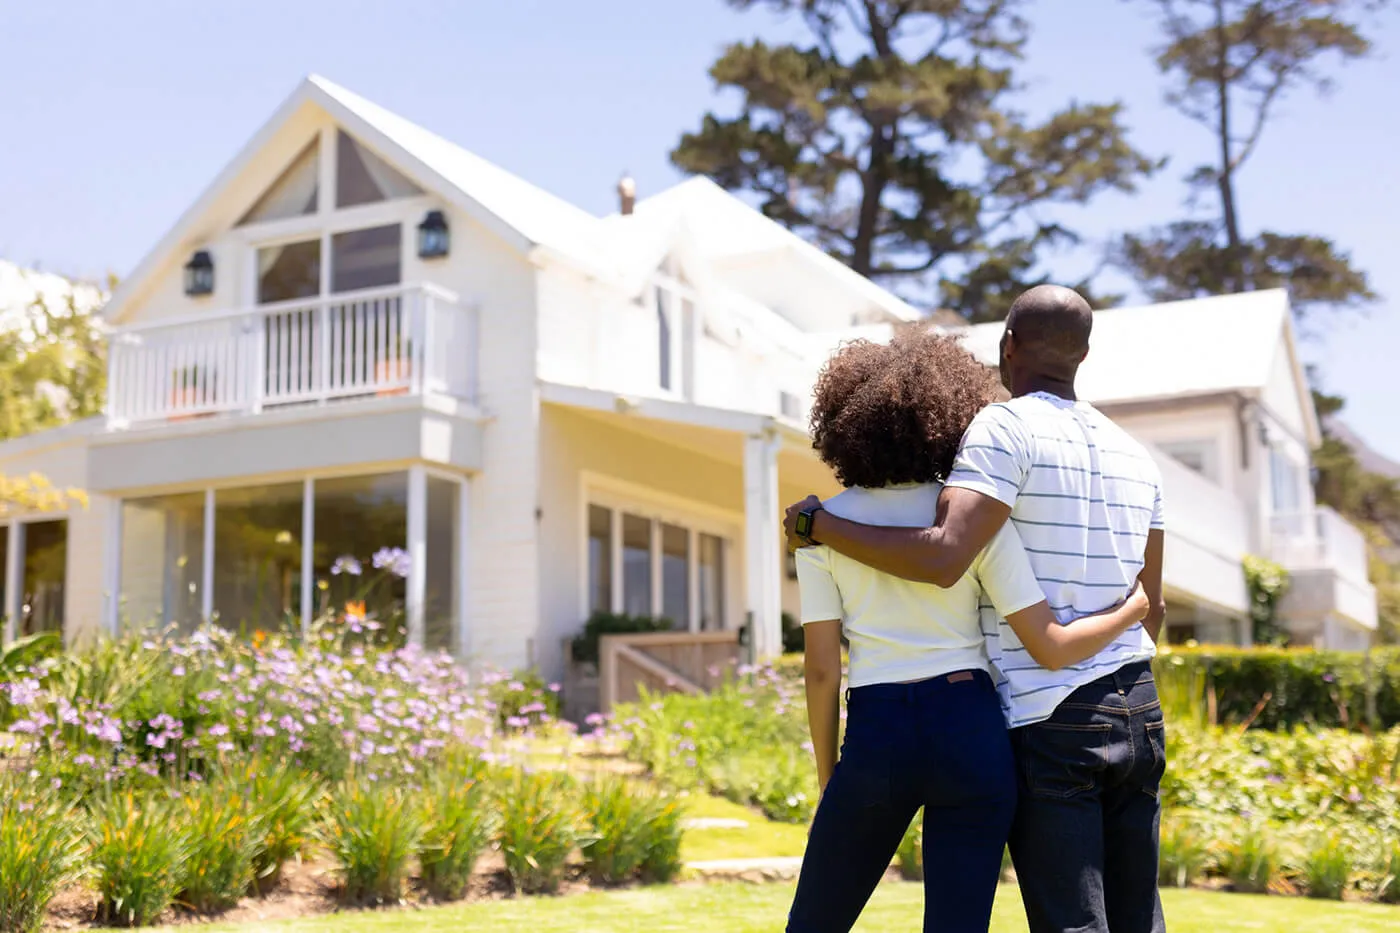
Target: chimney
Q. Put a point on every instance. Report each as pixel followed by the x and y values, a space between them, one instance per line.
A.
pixel 626 194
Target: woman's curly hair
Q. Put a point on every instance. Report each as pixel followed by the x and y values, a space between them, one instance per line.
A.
pixel 895 413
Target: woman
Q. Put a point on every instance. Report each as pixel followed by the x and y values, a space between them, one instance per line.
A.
pixel 924 725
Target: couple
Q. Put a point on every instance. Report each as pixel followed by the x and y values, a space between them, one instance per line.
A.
pixel 961 624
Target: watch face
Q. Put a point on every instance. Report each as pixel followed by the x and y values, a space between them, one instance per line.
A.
pixel 803 525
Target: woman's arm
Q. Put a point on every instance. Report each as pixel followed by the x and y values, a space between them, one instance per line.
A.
pixel 822 667
pixel 1054 646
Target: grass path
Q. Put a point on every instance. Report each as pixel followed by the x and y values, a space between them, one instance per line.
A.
pixel 740 908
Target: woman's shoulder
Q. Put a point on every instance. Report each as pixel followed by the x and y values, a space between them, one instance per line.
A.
pixel 907 504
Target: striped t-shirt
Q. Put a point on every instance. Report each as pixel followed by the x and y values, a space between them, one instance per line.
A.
pixel 1083 495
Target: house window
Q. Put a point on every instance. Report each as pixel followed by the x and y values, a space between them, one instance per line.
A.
pixel 675 324
pixel 162 569
pixel 295 193
pixel 366 258
pixel 289 271
pixel 1284 482
pixel 664 328
pixel 711 583
pixel 636 565
pixel 599 559
pixel 361 177
pixel 665 568
pixel 45 565
pixel 1197 455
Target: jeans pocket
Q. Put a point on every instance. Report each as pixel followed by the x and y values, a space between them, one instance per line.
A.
pixel 1061 760
pixel 1157 742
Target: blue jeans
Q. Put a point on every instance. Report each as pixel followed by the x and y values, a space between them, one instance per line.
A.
pixel 940 744
pixel 1084 842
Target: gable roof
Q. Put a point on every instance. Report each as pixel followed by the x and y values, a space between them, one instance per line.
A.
pixel 1180 349
pixel 725 227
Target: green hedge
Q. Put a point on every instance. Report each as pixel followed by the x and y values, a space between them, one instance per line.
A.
pixel 1305 687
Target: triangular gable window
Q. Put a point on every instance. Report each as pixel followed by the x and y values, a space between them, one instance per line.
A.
pixel 295 193
pixel 361 177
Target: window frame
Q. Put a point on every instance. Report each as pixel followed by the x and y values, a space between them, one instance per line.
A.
pixel 678 292
pixel 658 508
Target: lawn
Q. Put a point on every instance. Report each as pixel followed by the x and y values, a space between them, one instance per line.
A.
pixel 739 908
pixel 761 838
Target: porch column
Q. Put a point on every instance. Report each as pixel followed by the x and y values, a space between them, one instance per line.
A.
pixel 112 569
pixel 762 540
pixel 206 601
pixel 462 571
pixel 14 578
pixel 417 553
pixel 308 553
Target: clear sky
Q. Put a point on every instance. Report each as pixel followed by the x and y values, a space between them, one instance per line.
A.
pixel 114 117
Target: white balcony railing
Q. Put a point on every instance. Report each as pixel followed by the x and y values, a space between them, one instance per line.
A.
pixel 1320 539
pixel 388 341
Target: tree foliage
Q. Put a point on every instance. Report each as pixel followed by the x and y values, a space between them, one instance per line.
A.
pixel 1229 63
pixel 888 139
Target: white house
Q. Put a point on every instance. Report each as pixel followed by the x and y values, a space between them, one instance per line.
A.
pixel 362 336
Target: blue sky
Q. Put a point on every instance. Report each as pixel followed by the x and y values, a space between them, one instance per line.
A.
pixel 116 115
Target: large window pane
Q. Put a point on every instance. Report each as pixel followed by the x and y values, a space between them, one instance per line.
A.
pixel 294 193
pixel 439 606
pixel 162 561
pixel 45 565
pixel 711 574
pixel 675 576
pixel 358 517
pixel 257 557
pixel 663 326
pixel 636 565
pixel 289 271
pixel 366 258
pixel 361 177
pixel 599 559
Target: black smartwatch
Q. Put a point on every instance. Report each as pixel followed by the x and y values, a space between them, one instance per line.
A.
pixel 802 527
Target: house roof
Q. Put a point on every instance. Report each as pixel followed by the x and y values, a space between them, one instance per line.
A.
pixel 725 227
pixel 1179 349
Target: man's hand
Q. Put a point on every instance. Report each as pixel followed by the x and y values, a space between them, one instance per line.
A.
pixel 790 521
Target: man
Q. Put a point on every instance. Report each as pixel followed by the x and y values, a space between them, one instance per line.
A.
pixel 1086 500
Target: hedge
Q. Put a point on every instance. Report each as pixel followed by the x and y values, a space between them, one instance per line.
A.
pixel 1305 687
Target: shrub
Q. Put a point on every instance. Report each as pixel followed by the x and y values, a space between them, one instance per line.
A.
pixel 781 783
pixel 459 824
pixel 631 828
pixel 1388 886
pixel 1184 855
pixel 585 644
pixel 539 829
pixel 40 852
pixel 1327 868
pixel 1305 687
pixel 373 830
pixel 910 854
pixel 522 700
pixel 283 801
pixel 1251 860
pixel 663 861
pixel 222 844
pixel 138 853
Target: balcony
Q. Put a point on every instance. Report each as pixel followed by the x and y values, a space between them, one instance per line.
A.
pixel 404 340
pixel 1327 559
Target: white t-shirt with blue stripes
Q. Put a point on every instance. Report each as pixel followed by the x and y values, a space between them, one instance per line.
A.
pixel 1083 495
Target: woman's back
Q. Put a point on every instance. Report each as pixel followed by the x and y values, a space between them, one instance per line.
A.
pixel 898 630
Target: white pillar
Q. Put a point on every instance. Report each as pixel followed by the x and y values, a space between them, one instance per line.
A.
pixel 462 591
pixel 762 543
pixel 112 569
pixel 417 553
pixel 308 555
pixel 206 601
pixel 14 578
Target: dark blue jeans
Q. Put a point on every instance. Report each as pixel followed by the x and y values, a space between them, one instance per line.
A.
pixel 940 744
pixel 1084 842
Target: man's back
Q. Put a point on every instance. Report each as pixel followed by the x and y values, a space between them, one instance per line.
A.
pixel 1083 496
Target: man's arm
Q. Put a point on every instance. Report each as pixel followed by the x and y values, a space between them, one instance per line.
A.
pixel 940 555
pixel 1151 580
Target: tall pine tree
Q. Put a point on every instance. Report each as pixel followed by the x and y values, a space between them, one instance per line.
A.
pixel 1229 64
pixel 888 138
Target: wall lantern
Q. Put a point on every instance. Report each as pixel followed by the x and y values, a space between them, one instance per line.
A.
pixel 433 236
pixel 199 274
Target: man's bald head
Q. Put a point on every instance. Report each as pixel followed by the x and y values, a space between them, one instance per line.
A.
pixel 1049 326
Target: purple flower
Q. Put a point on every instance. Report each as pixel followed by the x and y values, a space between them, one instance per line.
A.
pixel 395 560
pixel 25 727
pixel 1328 678
pixel 347 565
pixel 595 719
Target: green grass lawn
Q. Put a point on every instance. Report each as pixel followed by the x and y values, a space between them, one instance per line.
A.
pixel 739 908
pixel 762 838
